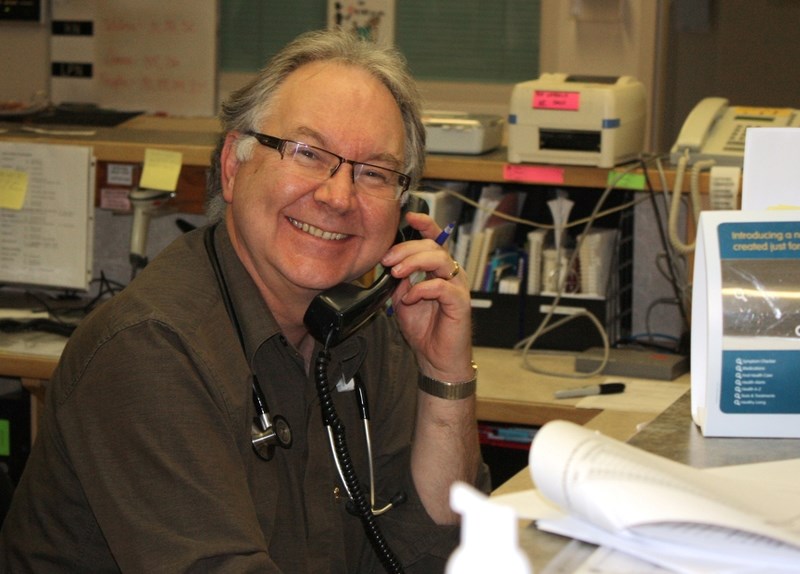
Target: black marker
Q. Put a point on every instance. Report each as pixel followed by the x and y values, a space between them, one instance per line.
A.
pixel 603 389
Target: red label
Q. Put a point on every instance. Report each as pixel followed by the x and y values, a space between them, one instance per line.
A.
pixel 549 100
pixel 533 173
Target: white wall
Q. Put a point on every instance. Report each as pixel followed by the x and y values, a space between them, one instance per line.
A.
pixel 607 38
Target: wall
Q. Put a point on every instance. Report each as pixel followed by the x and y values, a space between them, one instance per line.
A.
pixel 24 65
pixel 607 38
pixel 743 50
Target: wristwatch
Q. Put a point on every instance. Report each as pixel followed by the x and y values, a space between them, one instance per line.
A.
pixel 450 391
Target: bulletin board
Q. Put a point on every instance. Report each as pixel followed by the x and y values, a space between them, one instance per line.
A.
pixel 143 55
pixel 443 40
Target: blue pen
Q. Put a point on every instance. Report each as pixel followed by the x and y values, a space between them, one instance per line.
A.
pixel 446 233
pixel 441 239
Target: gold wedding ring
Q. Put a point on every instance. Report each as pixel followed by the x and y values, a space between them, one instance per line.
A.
pixel 455 271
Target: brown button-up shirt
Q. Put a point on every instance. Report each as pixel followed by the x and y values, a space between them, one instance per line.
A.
pixel 144 463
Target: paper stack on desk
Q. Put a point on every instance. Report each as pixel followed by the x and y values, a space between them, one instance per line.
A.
pixel 742 519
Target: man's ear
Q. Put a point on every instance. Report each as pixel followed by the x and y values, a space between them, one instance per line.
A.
pixel 229 166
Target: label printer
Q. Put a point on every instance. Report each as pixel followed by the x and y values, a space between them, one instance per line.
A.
pixel 578 120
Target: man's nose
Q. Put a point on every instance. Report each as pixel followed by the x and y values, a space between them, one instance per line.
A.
pixel 338 190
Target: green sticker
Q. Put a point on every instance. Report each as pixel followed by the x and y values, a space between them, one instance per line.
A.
pixel 5 437
pixel 621 180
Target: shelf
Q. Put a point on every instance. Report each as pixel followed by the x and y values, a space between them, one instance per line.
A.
pixel 195 138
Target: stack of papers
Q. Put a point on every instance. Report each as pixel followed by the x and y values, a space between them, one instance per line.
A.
pixel 742 519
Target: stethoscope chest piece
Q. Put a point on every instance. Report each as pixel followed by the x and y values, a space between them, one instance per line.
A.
pixel 276 434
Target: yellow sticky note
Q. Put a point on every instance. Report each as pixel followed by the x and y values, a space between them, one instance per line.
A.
pixel 13 188
pixel 161 169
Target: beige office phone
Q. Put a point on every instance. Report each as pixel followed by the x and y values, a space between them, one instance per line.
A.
pixel 715 130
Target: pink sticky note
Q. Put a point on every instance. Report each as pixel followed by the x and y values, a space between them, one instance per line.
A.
pixel 533 173
pixel 552 100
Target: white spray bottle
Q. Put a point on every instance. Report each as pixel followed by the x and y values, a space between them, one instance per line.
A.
pixel 489 541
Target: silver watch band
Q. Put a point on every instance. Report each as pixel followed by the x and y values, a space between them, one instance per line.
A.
pixel 450 391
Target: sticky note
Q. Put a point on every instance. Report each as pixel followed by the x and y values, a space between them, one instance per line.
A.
pixel 13 188
pixel 533 173
pixel 622 180
pixel 161 169
pixel 5 437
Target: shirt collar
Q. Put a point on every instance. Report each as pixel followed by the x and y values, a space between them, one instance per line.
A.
pixel 255 318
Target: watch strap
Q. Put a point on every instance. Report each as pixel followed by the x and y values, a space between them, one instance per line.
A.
pixel 450 391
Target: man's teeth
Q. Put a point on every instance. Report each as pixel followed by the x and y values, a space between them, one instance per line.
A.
pixel 316 232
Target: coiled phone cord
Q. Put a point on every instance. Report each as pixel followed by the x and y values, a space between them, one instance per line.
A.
pixel 330 419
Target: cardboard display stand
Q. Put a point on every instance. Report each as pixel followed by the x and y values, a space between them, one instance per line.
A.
pixel 746 324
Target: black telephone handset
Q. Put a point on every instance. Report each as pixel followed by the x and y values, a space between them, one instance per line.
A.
pixel 338 312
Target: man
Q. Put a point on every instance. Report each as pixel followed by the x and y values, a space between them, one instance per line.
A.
pixel 148 456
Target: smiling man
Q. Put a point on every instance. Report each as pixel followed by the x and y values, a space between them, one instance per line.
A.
pixel 194 423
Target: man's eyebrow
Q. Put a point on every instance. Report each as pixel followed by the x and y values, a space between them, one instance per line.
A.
pixel 388 158
pixel 309 136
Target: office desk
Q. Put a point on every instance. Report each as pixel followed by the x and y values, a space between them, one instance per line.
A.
pixel 31 357
pixel 673 435
pixel 510 393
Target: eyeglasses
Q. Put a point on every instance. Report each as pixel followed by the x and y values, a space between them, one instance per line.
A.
pixel 320 164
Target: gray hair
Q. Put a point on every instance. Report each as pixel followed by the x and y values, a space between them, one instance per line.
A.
pixel 245 108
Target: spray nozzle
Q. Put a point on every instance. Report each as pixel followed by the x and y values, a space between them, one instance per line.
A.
pixel 489 539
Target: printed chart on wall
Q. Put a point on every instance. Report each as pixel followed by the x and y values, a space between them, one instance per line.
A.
pixel 370 19
pixel 760 271
pixel 136 55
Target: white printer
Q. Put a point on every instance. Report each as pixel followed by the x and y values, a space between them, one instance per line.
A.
pixel 462 132
pixel 578 120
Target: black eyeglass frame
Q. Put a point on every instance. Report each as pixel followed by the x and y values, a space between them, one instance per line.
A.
pixel 278 144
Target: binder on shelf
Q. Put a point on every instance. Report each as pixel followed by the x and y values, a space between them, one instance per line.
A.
pixel 491 238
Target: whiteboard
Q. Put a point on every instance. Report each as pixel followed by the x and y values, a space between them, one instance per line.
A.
pixel 154 56
pixel 49 241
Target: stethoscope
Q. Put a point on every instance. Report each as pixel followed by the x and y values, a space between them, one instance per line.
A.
pixel 271 431
pixel 267 432
pixel 363 410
